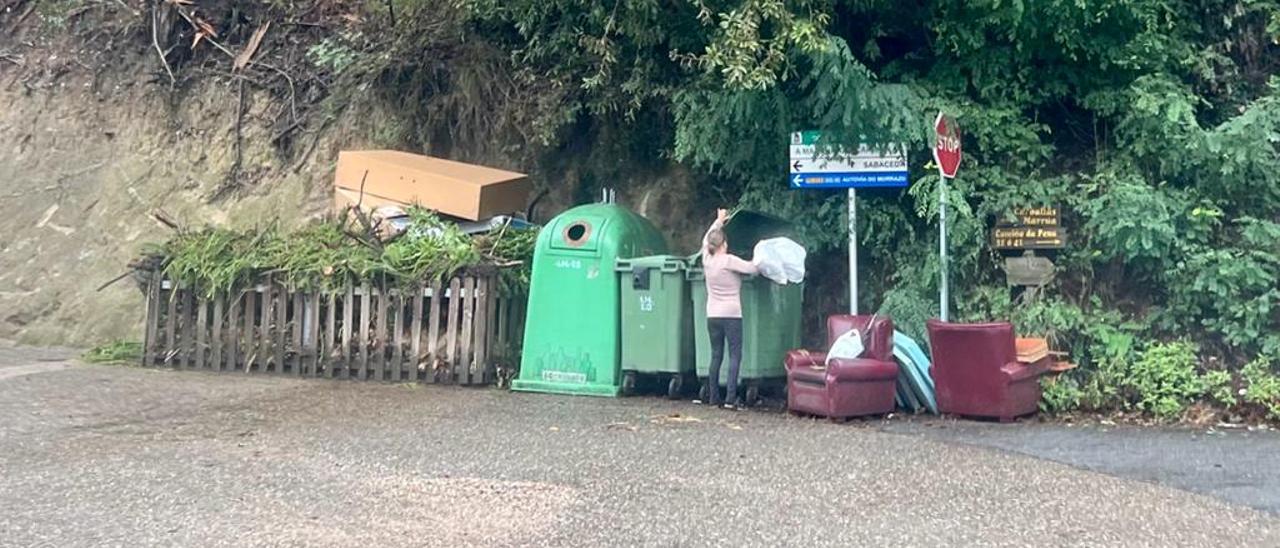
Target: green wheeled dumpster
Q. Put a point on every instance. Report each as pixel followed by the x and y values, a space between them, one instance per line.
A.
pixel 657 322
pixel 771 313
pixel 571 340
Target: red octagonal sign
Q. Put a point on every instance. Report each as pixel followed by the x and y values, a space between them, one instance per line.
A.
pixel 946 150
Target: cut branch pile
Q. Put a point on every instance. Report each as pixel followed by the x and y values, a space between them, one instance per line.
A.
pixel 329 254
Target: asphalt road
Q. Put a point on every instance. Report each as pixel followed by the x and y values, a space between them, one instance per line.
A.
pixel 117 456
pixel 1237 465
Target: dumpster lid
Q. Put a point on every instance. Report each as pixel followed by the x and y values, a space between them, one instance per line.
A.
pixel 747 228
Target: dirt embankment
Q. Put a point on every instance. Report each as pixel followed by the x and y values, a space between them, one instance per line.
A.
pixel 84 161
pixel 92 145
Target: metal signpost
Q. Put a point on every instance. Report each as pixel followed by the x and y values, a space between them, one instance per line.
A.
pixel 863 168
pixel 946 153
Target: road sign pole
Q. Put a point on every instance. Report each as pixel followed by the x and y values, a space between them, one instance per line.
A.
pixel 947 153
pixel 853 251
pixel 942 245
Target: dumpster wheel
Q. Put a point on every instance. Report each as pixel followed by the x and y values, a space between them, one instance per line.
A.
pixel 753 394
pixel 629 383
pixel 675 386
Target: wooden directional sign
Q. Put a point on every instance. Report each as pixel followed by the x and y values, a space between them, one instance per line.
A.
pixel 1034 216
pixel 1030 228
pixel 1026 237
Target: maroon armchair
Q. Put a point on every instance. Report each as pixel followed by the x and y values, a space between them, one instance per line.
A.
pixel 976 371
pixel 845 388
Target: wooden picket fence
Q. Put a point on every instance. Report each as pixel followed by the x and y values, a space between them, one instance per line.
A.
pixel 455 331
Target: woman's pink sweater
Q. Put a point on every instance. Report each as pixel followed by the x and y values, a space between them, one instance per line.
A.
pixel 723 272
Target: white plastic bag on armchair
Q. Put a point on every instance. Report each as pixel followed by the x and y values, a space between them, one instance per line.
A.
pixel 780 260
pixel 852 343
pixel 847 347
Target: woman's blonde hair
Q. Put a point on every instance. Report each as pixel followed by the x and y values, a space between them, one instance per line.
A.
pixel 715 239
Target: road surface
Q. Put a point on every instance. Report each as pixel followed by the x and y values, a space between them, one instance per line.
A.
pixel 123 456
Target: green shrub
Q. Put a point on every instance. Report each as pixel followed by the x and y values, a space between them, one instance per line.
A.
pixel 1231 291
pixel 1102 387
pixel 1133 221
pixel 1060 322
pixel 1106 349
pixel 1262 386
pixel 1060 394
pixel 1164 379
pixel 1219 387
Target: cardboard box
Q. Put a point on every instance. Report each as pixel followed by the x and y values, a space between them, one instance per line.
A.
pixel 453 188
pixel 1031 350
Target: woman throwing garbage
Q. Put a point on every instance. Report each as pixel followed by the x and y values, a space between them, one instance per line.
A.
pixel 723 272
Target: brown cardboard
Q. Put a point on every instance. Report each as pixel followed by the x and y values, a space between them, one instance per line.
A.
pixel 453 188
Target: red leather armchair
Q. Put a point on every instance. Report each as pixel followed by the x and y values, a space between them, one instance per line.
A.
pixel 976 371
pixel 845 388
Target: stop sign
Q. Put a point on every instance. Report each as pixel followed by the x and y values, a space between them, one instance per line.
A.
pixel 946 151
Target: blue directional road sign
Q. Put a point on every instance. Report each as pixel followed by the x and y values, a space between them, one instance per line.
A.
pixel 865 168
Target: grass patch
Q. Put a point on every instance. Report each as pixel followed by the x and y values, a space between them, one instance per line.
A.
pixel 115 352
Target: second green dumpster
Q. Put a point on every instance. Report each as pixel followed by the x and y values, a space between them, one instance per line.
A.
pixel 771 313
pixel 657 321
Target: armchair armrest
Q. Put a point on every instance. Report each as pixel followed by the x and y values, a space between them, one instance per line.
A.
pixel 1018 371
pixel 804 358
pixel 861 369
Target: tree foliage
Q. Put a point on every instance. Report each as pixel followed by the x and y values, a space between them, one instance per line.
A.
pixel 1155 125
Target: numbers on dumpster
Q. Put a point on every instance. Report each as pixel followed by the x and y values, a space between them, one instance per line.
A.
pixel 573 264
pixel 646 303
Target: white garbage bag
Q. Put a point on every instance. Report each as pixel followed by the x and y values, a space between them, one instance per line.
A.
pixel 780 260
pixel 847 347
